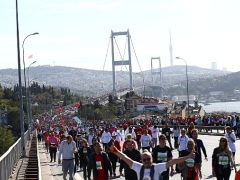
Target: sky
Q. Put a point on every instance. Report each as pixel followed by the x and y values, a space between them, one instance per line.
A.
pixel 76 33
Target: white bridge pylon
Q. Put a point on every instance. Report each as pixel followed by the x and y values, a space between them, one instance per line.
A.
pixel 123 61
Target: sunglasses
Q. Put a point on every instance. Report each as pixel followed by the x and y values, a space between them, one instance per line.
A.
pixel 146 159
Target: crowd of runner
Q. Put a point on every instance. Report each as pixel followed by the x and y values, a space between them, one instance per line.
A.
pixel 95 147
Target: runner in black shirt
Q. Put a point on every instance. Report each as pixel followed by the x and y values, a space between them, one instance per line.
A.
pixel 190 168
pixel 167 132
pixel 198 147
pixel 135 155
pixel 162 153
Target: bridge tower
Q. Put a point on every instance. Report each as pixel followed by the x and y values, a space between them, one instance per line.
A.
pixel 123 61
pixel 156 74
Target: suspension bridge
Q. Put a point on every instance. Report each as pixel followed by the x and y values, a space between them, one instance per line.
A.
pixel 36 164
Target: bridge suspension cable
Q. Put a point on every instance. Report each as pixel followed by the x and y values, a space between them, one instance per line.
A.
pixel 136 55
pixel 122 57
pixel 106 54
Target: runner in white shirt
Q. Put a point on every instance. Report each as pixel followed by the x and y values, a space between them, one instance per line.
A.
pixel 133 134
pixel 90 137
pixel 231 138
pixel 148 170
pixel 118 135
pixel 155 134
pixel 182 141
pixel 130 131
pixel 146 140
pixel 105 138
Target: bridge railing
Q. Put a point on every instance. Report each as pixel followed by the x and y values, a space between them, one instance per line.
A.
pixel 9 158
pixel 208 130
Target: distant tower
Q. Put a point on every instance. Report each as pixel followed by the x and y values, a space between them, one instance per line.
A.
pixel 156 78
pixel 171 50
pixel 214 66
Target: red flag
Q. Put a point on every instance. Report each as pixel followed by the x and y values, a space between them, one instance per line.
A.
pixel 59 109
pixel 77 104
pixel 30 56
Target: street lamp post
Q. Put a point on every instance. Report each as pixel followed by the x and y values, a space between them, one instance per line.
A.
pixel 28 98
pixel 20 87
pixel 187 83
pixel 24 70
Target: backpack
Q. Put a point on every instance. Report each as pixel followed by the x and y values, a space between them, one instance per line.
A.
pixel 151 172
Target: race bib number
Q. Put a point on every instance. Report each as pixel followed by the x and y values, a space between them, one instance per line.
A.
pixel 53 145
pixel 85 150
pixel 146 178
pixel 190 162
pixel 99 165
pixel 223 160
pixel 162 157
pixel 146 141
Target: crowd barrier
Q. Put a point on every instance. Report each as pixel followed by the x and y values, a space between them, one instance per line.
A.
pixel 10 158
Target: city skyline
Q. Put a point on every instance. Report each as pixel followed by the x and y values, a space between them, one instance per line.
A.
pixel 76 33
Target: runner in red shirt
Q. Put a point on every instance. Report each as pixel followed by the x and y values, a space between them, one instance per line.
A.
pixel 112 129
pixel 139 132
pixel 100 164
pixel 100 170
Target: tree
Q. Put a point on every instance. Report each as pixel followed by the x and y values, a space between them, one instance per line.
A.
pixel 98 114
pixel 6 139
pixel 110 99
pixel 7 93
pixel 13 120
pixel 96 104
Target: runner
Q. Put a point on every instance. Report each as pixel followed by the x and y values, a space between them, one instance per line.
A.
pixel 199 146
pixel 67 150
pixel 135 155
pixel 147 169
pixel 100 164
pixel 190 167
pixel 222 160
pixel 162 153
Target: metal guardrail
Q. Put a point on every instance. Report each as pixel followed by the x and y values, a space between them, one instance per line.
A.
pixel 39 164
pixel 216 130
pixel 208 130
pixel 9 158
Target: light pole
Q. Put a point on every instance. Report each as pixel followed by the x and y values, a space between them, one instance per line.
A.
pixel 20 87
pixel 24 70
pixel 28 99
pixel 187 83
